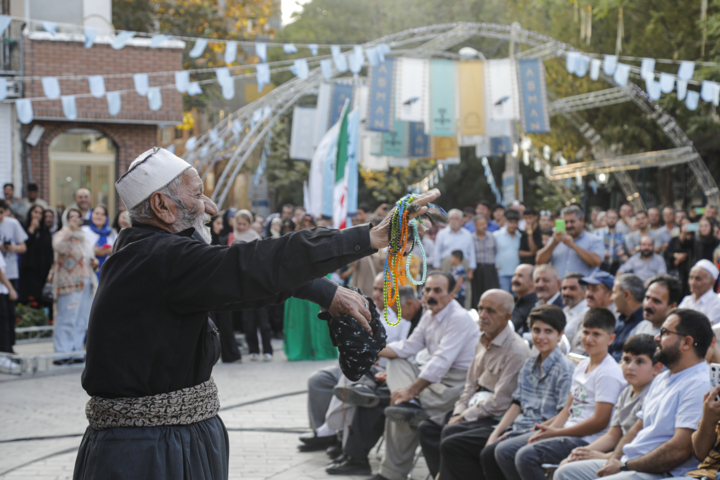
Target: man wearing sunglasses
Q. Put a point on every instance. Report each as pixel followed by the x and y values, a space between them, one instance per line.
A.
pixel 659 445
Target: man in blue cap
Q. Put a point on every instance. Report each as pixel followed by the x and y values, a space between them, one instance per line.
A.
pixel 598 295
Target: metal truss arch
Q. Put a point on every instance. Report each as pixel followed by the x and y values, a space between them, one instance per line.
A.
pixel 427 42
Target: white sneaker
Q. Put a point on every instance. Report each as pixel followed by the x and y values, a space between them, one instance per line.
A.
pixel 254 357
pixel 8 366
pixel 267 357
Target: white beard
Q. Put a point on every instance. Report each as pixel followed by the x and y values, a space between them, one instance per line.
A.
pixel 203 229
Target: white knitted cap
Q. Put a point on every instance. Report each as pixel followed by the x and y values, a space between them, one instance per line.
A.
pixel 148 173
pixel 709 267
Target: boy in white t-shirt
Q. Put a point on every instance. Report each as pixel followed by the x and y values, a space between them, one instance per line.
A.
pixel 596 385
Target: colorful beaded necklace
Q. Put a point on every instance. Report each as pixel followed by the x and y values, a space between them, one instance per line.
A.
pixel 395 274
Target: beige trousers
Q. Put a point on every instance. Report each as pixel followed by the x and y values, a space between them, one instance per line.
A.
pixel 401 440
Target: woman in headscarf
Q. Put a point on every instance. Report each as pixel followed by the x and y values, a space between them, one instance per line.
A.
pixel 705 242
pixel 241 230
pixel 276 227
pixel 216 227
pixel 37 260
pixel 100 235
pixel 74 284
pixel 305 337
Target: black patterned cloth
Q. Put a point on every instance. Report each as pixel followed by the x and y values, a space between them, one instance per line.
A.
pixel 358 349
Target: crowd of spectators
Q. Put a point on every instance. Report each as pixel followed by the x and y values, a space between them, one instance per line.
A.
pixel 588 356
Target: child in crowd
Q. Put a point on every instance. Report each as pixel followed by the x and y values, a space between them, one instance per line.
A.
pixel 639 368
pixel 543 387
pixel 458 271
pixel 596 385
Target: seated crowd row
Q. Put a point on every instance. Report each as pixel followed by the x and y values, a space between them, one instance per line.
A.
pixel 633 400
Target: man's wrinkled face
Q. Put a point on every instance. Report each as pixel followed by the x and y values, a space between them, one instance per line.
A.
pixel 700 281
pixel 197 208
pixel 493 317
pixel 598 296
pixel 455 220
pixel 546 284
pixel 571 291
pixel 522 281
pixel 435 293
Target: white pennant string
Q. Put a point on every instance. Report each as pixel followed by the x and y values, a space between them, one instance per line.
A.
pixel 114 103
pixel 69 107
pixel 198 48
pixel 97 86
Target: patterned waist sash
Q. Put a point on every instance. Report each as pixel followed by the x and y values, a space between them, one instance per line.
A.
pixel 181 407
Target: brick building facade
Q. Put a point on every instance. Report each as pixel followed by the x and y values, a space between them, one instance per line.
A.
pixel 133 131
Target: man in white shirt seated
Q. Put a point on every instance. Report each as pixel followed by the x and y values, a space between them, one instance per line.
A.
pixel 327 413
pixel 450 335
pixel 702 297
pixel 573 296
pixel 659 445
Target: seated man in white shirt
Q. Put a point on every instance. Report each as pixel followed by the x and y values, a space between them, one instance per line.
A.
pixel 450 335
pixel 573 296
pixel 659 445
pixel 702 297
pixel 326 413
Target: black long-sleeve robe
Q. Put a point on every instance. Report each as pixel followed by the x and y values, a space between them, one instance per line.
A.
pixel 149 331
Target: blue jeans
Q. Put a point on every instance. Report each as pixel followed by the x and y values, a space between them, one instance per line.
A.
pixel 71 321
pixel 505 282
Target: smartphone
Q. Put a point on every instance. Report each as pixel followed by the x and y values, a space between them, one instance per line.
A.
pixel 560 225
pixel 715 376
pixel 692 227
pixel 699 211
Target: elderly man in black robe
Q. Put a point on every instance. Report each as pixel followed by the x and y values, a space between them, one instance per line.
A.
pixel 151 346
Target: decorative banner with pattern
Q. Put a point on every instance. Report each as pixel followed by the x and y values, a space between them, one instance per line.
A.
pixel 444 147
pixel 533 96
pixel 443 87
pixel 380 108
pixel 471 83
pixel 502 90
pixel 340 94
pixel 419 142
pixel 499 146
pixel 412 92
pixel 395 143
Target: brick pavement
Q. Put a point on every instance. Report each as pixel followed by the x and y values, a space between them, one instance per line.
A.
pixel 53 404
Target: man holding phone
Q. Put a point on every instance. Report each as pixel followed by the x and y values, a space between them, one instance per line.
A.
pixel 571 249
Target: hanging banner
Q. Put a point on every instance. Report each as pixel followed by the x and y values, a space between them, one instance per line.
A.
pixel 368 145
pixel 317 169
pixel 303 133
pixel 500 146
pixel 380 109
pixel 360 101
pixel 508 187
pixel 533 96
pixel 395 143
pixel 502 90
pixel 442 86
pixel 444 147
pixel 419 142
pixel 322 112
pixel 341 92
pixel 411 87
pixel 353 158
pixel 471 82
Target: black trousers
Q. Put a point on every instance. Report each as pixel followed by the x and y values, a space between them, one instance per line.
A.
pixel 7 326
pixel 454 450
pixel 490 467
pixel 229 351
pixel 252 321
pixel 277 319
pixel 368 425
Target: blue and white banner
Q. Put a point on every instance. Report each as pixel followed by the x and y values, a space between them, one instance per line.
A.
pixel 419 142
pixel 341 93
pixel 411 89
pixel 380 111
pixel 533 96
pixel 443 87
pixel 500 146
pixel 353 131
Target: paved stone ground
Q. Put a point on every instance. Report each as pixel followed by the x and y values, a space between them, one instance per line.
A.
pixel 263 435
